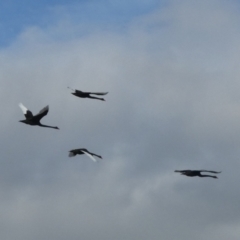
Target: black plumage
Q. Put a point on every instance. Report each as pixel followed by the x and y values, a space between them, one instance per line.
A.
pixel 81 94
pixel 80 151
pixel 34 119
pixel 196 173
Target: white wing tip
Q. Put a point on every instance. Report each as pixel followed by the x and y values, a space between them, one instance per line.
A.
pixel 89 155
pixel 24 109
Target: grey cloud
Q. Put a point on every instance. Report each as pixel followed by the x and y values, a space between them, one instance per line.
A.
pixel 172 104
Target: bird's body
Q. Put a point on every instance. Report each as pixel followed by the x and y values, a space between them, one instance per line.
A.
pixel 34 120
pixel 80 151
pixel 81 94
pixel 196 173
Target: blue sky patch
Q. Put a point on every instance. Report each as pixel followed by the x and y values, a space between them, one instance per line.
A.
pixel 16 16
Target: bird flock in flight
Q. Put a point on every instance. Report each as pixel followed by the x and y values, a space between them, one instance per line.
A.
pixel 34 120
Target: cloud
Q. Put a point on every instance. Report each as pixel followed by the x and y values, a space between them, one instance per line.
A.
pixel 172 77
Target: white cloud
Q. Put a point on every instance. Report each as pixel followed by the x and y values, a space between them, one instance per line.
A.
pixel 173 102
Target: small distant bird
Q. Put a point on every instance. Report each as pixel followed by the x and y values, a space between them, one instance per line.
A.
pixel 194 173
pixel 87 94
pixel 80 151
pixel 34 120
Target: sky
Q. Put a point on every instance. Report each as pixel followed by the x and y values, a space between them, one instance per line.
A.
pixel 171 69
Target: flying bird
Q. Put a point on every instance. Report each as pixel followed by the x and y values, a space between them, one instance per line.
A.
pixel 81 94
pixel 80 151
pixel 194 173
pixel 34 120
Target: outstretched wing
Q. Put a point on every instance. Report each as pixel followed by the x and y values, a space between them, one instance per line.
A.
pixel 42 113
pixel 28 114
pixel 99 93
pixel 89 155
pixel 182 171
pixel 209 171
pixel 78 91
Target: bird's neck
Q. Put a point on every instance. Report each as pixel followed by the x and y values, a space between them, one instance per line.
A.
pixel 42 125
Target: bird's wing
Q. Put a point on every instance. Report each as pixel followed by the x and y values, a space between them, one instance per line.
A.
pixel 78 91
pixel 99 93
pixel 28 114
pixel 42 113
pixel 182 171
pixel 209 171
pixel 89 155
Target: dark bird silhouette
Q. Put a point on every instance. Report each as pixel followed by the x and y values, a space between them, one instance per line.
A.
pixel 34 120
pixel 87 94
pixel 194 173
pixel 80 151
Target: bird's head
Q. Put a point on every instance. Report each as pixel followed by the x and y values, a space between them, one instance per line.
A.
pixel 23 121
